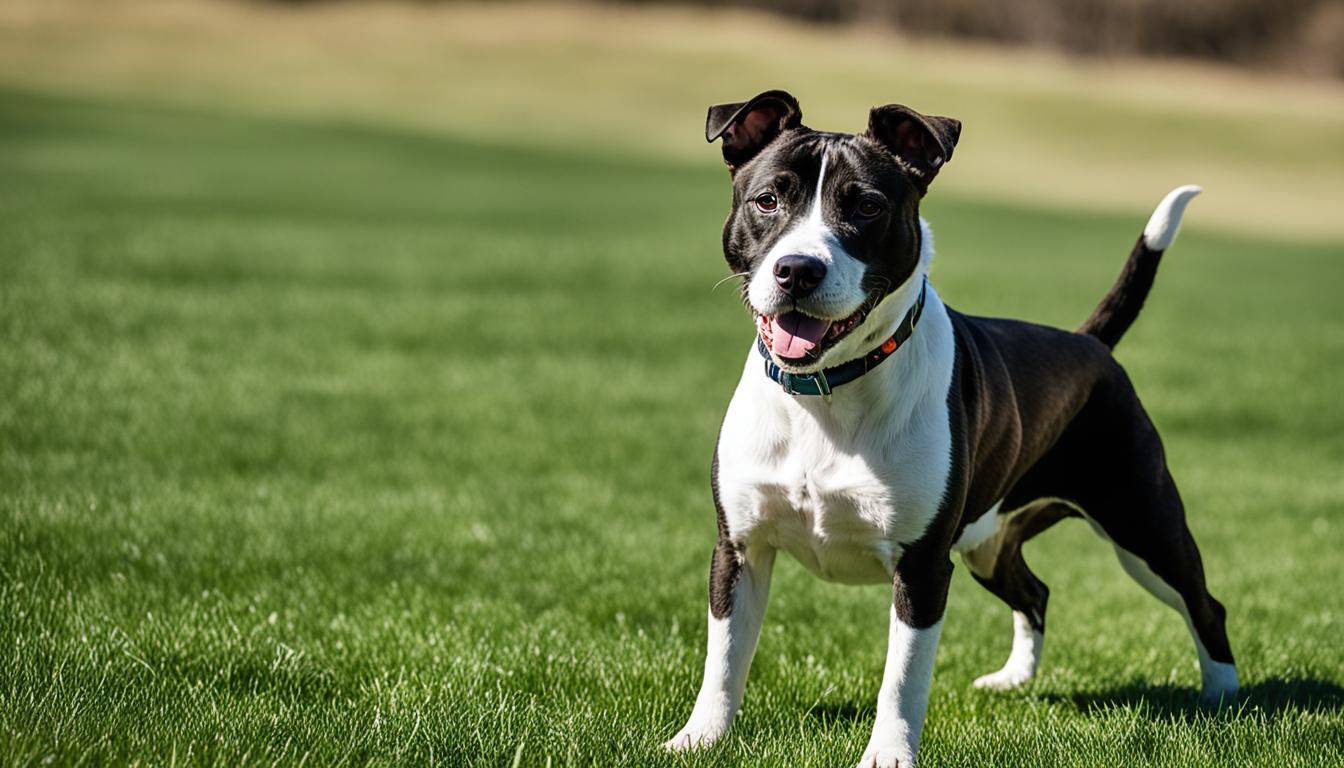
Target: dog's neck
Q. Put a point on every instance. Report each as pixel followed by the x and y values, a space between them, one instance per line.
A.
pixel 891 394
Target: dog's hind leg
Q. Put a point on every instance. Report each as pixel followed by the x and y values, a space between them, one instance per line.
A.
pixel 998 565
pixel 1170 568
pixel 1112 462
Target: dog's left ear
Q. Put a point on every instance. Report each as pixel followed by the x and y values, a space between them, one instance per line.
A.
pixel 748 126
pixel 924 142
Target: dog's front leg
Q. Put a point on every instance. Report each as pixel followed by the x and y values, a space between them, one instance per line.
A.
pixel 739 587
pixel 918 599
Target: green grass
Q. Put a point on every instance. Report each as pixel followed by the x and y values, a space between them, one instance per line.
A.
pixel 329 444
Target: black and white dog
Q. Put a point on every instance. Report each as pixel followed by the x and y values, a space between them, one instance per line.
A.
pixel 875 431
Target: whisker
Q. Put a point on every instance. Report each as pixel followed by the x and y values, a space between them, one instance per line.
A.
pixel 726 279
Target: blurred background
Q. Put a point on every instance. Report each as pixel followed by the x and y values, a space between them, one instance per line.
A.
pixel 1299 37
pixel 360 368
pixel 1085 104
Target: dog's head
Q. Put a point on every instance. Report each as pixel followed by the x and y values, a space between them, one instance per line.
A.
pixel 825 226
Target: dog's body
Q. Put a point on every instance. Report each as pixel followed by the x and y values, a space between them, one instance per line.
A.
pixel 974 436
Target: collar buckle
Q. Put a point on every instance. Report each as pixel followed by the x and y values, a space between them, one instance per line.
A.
pixel 798 383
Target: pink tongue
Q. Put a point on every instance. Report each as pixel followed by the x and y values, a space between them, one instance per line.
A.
pixel 794 334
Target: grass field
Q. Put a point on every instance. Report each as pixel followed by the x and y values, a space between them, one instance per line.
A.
pixel 326 440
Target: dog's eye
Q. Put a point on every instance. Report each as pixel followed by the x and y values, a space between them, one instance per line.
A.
pixel 869 209
pixel 767 202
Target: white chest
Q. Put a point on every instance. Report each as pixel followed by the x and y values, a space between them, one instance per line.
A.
pixel 842 502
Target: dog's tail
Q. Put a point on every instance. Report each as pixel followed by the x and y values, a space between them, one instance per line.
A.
pixel 1121 305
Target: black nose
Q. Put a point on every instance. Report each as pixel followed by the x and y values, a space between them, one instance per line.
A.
pixel 799 275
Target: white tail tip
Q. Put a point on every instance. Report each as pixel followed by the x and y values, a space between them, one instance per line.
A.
pixel 1166 219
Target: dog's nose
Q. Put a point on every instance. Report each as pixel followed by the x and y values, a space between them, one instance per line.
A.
pixel 799 275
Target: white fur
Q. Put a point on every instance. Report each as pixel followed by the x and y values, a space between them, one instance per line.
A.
pixel 1218 680
pixel 841 484
pixel 1166 219
pixel 840 293
pixel 1021 665
pixel 980 530
pixel 981 542
pixel 904 697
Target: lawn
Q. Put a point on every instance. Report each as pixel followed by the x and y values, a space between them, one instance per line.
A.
pixel 326 441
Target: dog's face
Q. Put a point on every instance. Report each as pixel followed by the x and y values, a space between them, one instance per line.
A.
pixel 824 226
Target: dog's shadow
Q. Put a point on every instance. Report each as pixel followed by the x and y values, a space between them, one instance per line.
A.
pixel 1267 698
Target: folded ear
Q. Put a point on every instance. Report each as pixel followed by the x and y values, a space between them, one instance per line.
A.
pixel 924 142
pixel 748 126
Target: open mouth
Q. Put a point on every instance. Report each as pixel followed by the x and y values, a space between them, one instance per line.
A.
pixel 799 338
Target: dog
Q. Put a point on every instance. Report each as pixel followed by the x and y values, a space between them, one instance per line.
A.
pixel 875 431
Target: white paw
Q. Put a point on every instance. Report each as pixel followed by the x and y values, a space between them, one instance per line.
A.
pixel 1005 679
pixel 1218 684
pixel 879 758
pixel 689 739
pixel 1218 698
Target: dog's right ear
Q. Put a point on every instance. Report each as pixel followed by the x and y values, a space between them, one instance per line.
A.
pixel 747 127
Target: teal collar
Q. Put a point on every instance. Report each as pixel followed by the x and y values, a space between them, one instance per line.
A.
pixel 821 382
